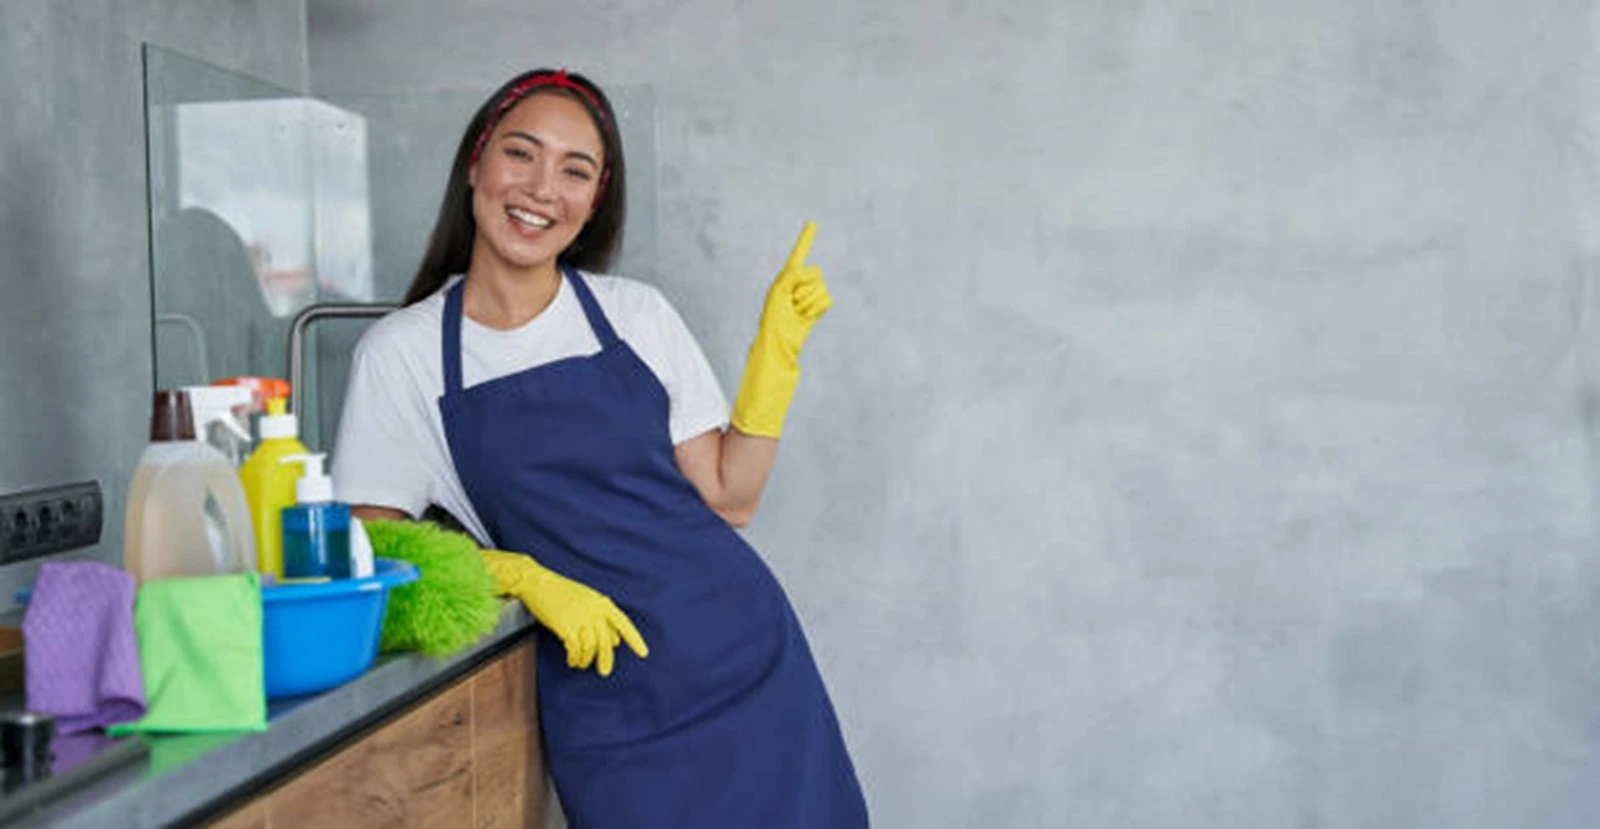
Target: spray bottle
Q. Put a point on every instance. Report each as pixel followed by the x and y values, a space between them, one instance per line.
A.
pixel 219 418
pixel 186 512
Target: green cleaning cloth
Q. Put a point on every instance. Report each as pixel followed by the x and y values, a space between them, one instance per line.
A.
pixel 200 655
pixel 451 606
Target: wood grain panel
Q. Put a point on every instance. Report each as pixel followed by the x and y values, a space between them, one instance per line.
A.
pixel 252 816
pixel 507 762
pixel 470 756
pixel 415 771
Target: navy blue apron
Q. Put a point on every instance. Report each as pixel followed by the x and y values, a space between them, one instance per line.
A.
pixel 726 725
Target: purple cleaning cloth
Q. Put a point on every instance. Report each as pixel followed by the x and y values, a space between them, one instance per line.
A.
pixel 80 654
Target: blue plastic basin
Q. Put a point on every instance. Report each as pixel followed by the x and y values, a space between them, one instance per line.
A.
pixel 318 636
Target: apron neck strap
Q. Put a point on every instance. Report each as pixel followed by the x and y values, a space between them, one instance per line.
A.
pixel 450 342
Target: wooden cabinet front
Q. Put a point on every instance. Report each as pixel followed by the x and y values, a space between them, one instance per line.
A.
pixel 467 756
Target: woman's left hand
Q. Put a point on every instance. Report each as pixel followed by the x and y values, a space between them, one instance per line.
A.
pixel 797 299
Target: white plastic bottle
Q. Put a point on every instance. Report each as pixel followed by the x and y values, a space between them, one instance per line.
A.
pixel 362 563
pixel 186 509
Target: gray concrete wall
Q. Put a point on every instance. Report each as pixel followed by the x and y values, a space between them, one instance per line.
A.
pixel 75 325
pixel 1203 435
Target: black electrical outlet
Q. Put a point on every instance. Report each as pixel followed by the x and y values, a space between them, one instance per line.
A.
pixel 52 520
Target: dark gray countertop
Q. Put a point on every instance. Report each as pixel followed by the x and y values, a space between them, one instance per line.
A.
pixel 182 778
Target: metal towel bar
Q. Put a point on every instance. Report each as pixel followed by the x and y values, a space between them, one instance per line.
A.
pixel 302 323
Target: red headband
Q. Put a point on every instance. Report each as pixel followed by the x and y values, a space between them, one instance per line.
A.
pixel 527 85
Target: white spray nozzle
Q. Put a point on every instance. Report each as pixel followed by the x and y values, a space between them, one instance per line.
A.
pixel 314 487
pixel 219 404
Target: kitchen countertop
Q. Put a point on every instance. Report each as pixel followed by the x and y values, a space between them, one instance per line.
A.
pixel 168 783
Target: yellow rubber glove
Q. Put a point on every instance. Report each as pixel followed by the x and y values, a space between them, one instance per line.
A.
pixel 588 624
pixel 796 300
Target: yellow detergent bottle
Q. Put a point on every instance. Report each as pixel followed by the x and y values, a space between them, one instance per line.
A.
pixel 269 483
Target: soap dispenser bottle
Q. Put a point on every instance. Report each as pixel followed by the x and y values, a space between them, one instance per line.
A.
pixel 316 531
pixel 269 484
pixel 186 514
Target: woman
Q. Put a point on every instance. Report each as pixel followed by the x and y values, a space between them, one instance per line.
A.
pixel 571 419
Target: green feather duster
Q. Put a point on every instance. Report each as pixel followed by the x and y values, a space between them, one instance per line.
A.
pixel 451 606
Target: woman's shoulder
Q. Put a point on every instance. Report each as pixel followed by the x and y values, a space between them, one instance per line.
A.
pixel 405 329
pixel 612 284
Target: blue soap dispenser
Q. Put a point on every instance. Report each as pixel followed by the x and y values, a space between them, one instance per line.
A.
pixel 316 531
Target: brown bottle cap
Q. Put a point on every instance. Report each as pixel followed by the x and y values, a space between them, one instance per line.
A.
pixel 170 416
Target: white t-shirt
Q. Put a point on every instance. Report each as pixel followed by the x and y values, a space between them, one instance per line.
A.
pixel 391 450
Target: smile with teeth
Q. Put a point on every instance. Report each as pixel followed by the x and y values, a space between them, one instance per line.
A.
pixel 530 219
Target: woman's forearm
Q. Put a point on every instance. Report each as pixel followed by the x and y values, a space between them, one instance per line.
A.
pixel 746 462
pixel 730 470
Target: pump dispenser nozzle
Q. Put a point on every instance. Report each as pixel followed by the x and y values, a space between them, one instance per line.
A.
pixel 314 487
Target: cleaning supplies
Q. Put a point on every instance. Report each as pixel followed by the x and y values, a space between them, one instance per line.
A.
pixel 452 606
pixel 221 419
pixel 316 530
pixel 82 656
pixel 317 636
pixel 269 483
pixel 186 513
pixel 362 560
pixel 200 652
pixel 261 389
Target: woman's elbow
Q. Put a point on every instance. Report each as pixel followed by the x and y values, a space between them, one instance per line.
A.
pixel 737 515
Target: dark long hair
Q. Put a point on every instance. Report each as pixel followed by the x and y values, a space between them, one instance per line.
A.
pixel 450 247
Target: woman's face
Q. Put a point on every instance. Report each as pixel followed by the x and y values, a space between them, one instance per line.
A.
pixel 534 185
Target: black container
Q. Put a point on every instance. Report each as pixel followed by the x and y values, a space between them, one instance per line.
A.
pixel 25 746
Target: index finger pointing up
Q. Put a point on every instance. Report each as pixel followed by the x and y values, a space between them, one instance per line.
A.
pixel 802 248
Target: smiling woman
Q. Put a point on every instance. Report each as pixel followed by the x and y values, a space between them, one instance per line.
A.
pixel 454 236
pixel 533 190
pixel 569 418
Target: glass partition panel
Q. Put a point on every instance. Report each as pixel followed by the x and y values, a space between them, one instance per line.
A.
pixel 258 208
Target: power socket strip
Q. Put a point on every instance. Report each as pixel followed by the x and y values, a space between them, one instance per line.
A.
pixel 40 522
